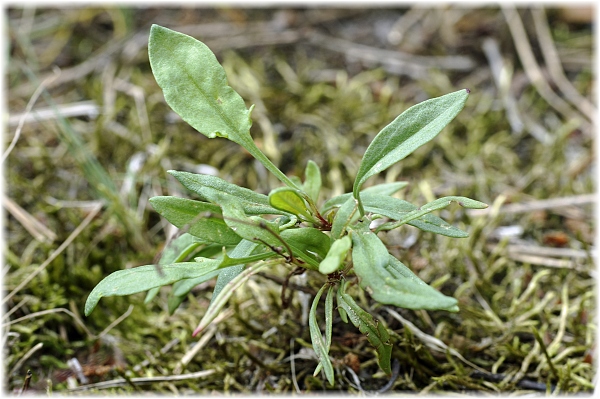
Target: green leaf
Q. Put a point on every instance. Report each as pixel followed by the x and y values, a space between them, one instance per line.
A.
pixel 375 332
pixel 186 213
pixel 439 203
pixel 144 278
pixel 344 216
pixel 307 241
pixel 388 280
pixel 336 255
pixel 312 180
pixel 289 200
pixel 320 347
pixel 210 187
pixel 410 130
pixel 328 317
pixel 397 209
pixel 377 190
pixel 195 86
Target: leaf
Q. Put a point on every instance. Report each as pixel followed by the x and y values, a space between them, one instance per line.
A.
pixel 320 347
pixel 195 86
pixel 307 241
pixel 289 200
pixel 388 280
pixel 223 296
pixel 210 187
pixel 410 130
pixel 433 206
pixel 344 216
pixel 375 332
pixel 336 255
pixel 144 278
pixel 312 180
pixel 186 213
pixel 377 190
pixel 397 209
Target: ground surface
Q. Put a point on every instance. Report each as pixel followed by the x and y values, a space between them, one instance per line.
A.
pixel 324 82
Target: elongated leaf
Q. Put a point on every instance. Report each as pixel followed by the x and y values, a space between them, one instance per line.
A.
pixel 144 278
pixel 195 86
pixel 312 180
pixel 336 255
pixel 410 130
pixel 328 317
pixel 388 280
pixel 377 190
pixel 289 200
pixel 320 347
pixel 433 206
pixel 210 187
pixel 375 332
pixel 397 209
pixel 344 216
pixel 186 213
pixel 308 240
pixel 225 294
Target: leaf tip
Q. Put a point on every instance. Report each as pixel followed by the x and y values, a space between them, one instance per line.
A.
pixel 468 90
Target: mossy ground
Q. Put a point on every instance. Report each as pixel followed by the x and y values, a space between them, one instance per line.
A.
pixel 528 318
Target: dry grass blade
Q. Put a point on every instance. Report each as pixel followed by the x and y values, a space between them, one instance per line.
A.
pixel 532 69
pixel 78 320
pixel 431 342
pixel 91 215
pixel 32 225
pixel 143 380
pixel 22 360
pixel 21 119
pixel 554 65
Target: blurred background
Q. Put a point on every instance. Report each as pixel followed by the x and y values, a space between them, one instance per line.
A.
pixel 89 139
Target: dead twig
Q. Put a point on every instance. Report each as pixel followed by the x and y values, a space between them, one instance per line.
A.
pixel 393 61
pixel 81 108
pixel 552 203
